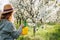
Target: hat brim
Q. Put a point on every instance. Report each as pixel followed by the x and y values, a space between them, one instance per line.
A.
pixel 8 11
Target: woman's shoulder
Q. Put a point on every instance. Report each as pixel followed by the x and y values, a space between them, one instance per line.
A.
pixel 6 22
pixel 8 26
pixel 9 23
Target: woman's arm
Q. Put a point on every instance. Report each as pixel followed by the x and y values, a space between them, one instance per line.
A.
pixel 10 28
pixel 16 33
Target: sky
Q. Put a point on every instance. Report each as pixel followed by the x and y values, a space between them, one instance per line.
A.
pixel 58 0
pixel 3 2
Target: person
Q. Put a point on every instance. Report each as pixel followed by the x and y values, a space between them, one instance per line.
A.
pixel 7 28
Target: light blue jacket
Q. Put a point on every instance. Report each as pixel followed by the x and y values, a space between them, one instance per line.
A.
pixel 8 30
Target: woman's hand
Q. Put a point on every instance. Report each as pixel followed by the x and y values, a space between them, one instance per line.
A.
pixel 20 28
pixel 23 30
pixel 22 25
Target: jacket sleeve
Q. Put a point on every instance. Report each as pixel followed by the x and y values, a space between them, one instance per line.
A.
pixel 10 28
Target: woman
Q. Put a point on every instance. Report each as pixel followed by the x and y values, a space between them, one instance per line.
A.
pixel 7 29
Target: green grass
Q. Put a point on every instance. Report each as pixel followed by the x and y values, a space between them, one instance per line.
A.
pixel 49 32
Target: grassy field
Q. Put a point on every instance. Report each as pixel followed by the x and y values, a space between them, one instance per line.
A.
pixel 49 32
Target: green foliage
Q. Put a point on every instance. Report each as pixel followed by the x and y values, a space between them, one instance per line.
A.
pixel 51 23
pixel 56 35
pixel 50 32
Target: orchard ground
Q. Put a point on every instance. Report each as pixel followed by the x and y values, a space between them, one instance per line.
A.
pixel 50 31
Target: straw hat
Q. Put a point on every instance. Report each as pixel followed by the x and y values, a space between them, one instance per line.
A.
pixel 7 8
